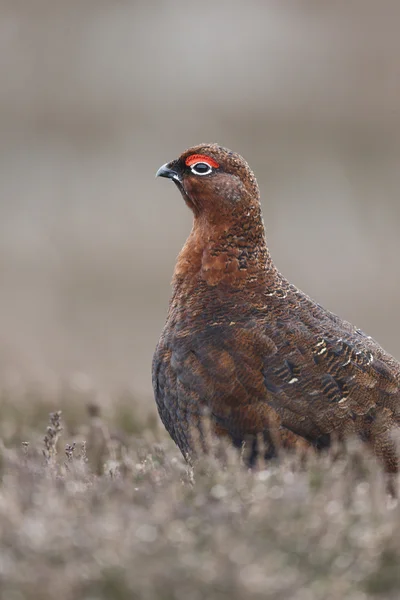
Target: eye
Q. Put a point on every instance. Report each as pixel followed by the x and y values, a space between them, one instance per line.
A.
pixel 201 168
pixel 200 164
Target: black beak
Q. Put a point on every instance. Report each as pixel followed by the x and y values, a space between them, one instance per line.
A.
pixel 167 171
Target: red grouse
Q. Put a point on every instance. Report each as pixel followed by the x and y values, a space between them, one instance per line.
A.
pixel 247 347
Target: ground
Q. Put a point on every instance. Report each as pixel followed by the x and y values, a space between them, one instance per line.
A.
pixel 100 505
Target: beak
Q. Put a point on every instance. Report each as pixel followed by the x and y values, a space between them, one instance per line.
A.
pixel 167 171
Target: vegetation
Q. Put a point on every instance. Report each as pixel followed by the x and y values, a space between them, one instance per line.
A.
pixel 91 509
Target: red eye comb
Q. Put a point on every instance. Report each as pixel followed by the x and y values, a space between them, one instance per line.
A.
pixel 195 158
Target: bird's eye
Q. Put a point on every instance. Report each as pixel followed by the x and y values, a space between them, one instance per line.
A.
pixel 201 168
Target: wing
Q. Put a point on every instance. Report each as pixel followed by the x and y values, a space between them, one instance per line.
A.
pixel 328 377
pixel 217 370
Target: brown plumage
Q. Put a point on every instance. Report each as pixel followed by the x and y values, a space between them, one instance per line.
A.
pixel 248 347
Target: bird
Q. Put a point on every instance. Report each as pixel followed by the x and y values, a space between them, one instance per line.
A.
pixel 267 365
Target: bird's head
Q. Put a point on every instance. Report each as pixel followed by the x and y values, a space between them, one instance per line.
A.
pixel 227 242
pixel 213 180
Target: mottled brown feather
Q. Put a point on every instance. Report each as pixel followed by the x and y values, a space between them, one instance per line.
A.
pixel 251 350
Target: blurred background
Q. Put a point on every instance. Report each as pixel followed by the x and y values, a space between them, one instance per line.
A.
pixel 96 95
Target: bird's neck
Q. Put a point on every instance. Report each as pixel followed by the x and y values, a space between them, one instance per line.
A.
pixel 229 252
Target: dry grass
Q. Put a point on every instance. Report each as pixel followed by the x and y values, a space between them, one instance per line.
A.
pixel 91 510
